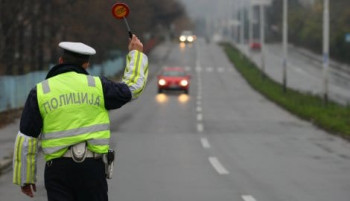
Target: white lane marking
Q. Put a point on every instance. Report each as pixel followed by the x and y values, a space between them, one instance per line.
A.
pixel 199 109
pixel 209 69
pixel 197 62
pixel 248 198
pixel 218 166
pixel 198 69
pixel 199 117
pixel 199 97
pixel 299 70
pixel 199 102
pixel 200 127
pixel 205 143
pixel 187 68
pixel 220 70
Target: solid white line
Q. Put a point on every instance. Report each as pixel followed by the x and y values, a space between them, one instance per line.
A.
pixel 248 198
pixel 218 166
pixel 205 143
pixel 200 127
pixel 199 117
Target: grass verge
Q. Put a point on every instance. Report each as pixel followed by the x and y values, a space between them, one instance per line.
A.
pixel 332 117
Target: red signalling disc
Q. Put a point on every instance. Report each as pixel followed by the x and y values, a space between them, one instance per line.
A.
pixel 120 10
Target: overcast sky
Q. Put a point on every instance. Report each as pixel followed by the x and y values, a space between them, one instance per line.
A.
pixel 210 8
pixel 215 8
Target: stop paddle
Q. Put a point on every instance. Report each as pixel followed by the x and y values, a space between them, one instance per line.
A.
pixel 121 11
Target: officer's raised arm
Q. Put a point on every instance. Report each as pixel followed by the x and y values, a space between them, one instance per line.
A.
pixel 136 70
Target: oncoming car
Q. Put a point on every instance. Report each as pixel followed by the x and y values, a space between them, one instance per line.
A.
pixel 173 78
pixel 187 36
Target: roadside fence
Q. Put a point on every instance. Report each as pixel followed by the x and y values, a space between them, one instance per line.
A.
pixel 14 89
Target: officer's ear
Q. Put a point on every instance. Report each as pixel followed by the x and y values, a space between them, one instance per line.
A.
pixel 85 65
pixel 60 60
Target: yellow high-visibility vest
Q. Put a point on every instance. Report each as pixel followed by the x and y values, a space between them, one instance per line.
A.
pixel 73 111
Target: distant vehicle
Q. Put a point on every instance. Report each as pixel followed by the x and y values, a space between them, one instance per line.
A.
pixel 255 46
pixel 173 78
pixel 187 36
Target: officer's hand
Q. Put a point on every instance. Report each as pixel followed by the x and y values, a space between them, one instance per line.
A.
pixel 29 189
pixel 135 44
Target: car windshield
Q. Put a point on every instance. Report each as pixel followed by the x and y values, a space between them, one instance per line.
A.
pixel 174 73
pixel 187 33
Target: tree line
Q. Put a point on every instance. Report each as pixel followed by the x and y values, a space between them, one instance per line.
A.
pixel 31 30
pixel 306 24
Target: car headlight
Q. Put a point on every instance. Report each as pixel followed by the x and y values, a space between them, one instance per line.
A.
pixel 190 38
pixel 182 38
pixel 161 82
pixel 184 83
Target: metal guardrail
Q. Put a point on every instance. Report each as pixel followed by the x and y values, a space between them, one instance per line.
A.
pixel 14 89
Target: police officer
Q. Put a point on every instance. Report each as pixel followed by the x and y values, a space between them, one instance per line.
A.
pixel 69 111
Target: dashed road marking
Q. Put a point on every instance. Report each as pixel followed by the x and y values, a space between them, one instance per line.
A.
pixel 200 127
pixel 199 109
pixel 220 70
pixel 248 198
pixel 198 69
pixel 205 143
pixel 209 69
pixel 218 166
pixel 199 117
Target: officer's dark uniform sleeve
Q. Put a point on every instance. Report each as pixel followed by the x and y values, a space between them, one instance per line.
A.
pixel 26 144
pixel 31 120
pixel 115 94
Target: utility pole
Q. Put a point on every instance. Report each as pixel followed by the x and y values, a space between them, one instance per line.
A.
pixel 325 49
pixel 250 13
pixel 242 22
pixel 285 44
pixel 262 38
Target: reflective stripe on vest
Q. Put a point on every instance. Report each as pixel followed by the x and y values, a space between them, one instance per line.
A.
pixel 73 111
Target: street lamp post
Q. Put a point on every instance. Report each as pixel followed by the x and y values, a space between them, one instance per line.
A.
pixel 325 49
pixel 285 43
pixel 262 38
pixel 250 13
pixel 242 22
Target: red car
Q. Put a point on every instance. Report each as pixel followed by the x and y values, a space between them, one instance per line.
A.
pixel 255 46
pixel 173 78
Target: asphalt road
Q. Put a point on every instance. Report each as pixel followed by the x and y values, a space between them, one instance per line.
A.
pixel 222 142
pixel 304 73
